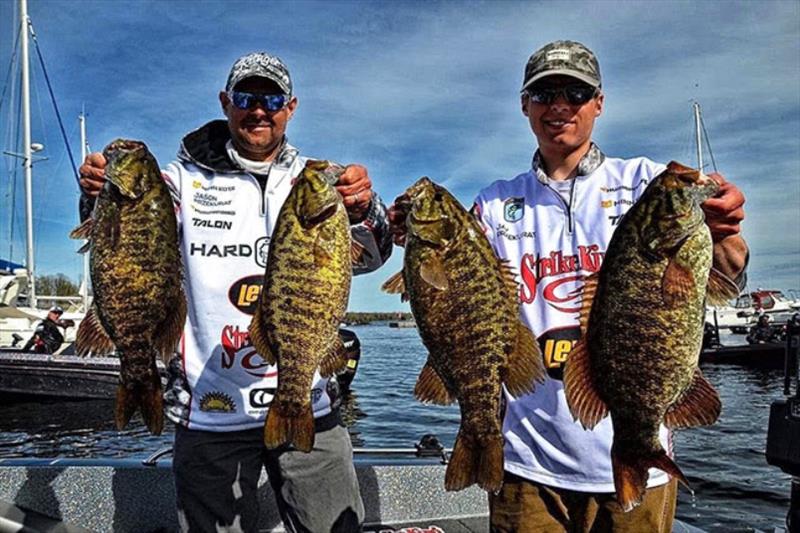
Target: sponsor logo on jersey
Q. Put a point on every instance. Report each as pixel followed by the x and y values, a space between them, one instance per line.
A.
pixel 556 345
pixel 243 294
pixel 217 402
pixel 220 188
pixel 605 204
pixel 215 224
pixel 624 187
pixel 316 394
pixel 258 250
pixel 238 351
pixel 558 276
pixel 513 209
pixel 261 398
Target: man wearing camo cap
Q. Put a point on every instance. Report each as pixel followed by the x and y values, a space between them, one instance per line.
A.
pixel 552 223
pixel 228 183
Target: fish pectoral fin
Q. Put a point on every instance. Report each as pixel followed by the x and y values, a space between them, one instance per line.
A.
pixel 92 336
pixel 584 402
pixel 258 336
pixel 396 284
pixel 430 387
pixel 699 405
pixel 432 271
pixel 324 247
pixel 334 360
pixel 83 231
pixel 721 288
pixel 677 284
pixel 588 293
pixel 171 329
pixel 525 365
pixel 356 252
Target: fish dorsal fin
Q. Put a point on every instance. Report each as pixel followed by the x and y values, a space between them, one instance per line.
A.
pixel 335 359
pixel 525 366
pixel 590 283
pixel 92 336
pixel 721 288
pixel 584 402
pixel 677 284
pixel 258 335
pixel 171 329
pixel 432 271
pixel 699 405
pixel 83 231
pixel 509 276
pixel 431 388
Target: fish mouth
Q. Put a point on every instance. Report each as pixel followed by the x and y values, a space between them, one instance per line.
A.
pixel 320 216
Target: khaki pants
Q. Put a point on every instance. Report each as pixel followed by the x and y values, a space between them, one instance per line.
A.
pixel 523 506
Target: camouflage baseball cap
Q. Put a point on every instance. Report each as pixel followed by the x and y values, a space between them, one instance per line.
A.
pixel 569 58
pixel 263 65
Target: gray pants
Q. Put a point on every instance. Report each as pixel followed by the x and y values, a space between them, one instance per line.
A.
pixel 216 481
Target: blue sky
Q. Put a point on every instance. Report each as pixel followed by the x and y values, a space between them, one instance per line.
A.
pixel 419 88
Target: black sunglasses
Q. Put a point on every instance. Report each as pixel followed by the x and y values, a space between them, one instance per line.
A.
pixel 577 94
pixel 270 102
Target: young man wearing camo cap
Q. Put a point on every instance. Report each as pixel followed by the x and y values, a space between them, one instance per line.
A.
pixel 228 183
pixel 558 475
pixel 553 223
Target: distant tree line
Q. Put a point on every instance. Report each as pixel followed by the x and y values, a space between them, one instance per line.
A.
pixel 56 285
pixel 366 318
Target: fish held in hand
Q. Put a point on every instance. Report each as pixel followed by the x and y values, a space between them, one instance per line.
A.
pixel 139 307
pixel 642 325
pixel 464 300
pixel 303 300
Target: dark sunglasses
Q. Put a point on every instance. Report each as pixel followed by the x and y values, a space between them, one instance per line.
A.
pixel 574 94
pixel 270 102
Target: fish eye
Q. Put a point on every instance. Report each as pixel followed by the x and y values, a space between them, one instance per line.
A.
pixel 437 197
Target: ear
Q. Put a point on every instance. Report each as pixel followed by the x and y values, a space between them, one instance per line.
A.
pixel 291 106
pixel 523 100
pixel 224 101
pixel 599 103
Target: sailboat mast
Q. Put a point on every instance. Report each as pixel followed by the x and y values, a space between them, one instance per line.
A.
pixel 698 135
pixel 85 284
pixel 28 160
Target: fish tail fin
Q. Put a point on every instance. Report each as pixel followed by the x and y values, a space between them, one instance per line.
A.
pixel 282 428
pixel 473 463
pixel 630 476
pixel 143 396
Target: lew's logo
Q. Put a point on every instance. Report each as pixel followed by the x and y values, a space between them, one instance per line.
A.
pixel 556 345
pixel 216 224
pixel 243 294
pixel 513 208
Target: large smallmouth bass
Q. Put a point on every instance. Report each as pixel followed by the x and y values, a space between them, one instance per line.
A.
pixel 464 300
pixel 642 323
pixel 139 307
pixel 303 300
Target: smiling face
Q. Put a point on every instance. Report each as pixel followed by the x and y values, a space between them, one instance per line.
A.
pixel 561 128
pixel 256 132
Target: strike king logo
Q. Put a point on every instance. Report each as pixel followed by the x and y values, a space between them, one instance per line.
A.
pixel 563 292
pixel 556 345
pixel 243 294
pixel 237 349
pixel 513 209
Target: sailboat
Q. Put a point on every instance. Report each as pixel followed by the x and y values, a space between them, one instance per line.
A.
pixel 21 309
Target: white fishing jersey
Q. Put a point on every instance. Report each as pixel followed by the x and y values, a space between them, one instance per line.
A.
pixel 220 383
pixel 553 239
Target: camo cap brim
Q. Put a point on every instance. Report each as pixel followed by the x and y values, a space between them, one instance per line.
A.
pixel 260 64
pixel 568 58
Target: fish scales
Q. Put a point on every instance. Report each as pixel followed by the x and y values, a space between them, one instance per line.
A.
pixel 139 306
pixel 639 354
pixel 464 301
pixel 303 301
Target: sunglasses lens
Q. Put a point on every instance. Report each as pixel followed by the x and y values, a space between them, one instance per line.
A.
pixel 574 94
pixel 270 102
pixel 579 94
pixel 541 96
